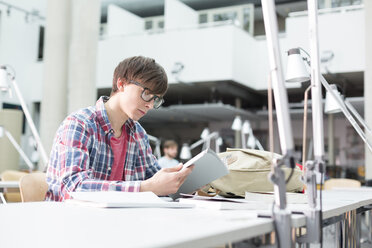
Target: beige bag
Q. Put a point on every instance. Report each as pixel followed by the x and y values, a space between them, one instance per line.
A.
pixel 249 170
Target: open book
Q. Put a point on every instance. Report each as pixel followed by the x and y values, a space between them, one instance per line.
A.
pixel 208 167
pixel 116 199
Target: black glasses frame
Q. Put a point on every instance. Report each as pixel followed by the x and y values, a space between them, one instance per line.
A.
pixel 158 101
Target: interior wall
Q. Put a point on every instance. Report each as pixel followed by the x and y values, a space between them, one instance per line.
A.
pixel 11 120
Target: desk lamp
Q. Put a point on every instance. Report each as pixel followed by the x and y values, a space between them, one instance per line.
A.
pixel 157 142
pixel 186 149
pixel 334 100
pixel 281 215
pixel 237 126
pixel 252 141
pixel 314 213
pixel 4 87
pixel 334 103
pixel 16 146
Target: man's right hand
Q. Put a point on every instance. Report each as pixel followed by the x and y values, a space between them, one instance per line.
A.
pixel 167 181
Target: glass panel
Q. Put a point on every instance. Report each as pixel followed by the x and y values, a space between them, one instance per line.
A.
pixel 225 16
pixel 148 25
pixel 203 18
pixel 161 24
pixel 247 19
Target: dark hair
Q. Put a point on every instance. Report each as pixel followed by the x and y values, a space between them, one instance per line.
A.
pixel 145 70
pixel 169 143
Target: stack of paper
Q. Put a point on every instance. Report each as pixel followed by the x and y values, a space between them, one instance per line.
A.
pixel 292 198
pixel 221 203
pixel 114 199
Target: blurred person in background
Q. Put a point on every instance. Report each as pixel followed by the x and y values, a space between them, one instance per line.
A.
pixel 170 149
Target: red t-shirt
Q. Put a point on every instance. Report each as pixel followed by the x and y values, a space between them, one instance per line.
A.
pixel 119 147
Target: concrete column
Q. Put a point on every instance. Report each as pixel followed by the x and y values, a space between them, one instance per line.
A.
pixel 57 36
pixel 368 81
pixel 85 22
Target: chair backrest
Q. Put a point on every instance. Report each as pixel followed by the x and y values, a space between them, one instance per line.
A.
pixel 341 183
pixel 33 187
pixel 12 175
pixel 12 195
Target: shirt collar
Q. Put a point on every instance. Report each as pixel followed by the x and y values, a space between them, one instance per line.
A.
pixel 103 118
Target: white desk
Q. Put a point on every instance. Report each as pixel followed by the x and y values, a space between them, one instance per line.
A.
pixel 50 224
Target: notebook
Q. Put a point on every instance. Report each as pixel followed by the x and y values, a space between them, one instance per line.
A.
pixel 208 167
pixel 117 199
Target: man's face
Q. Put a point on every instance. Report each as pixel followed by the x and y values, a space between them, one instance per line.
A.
pixel 131 102
pixel 171 151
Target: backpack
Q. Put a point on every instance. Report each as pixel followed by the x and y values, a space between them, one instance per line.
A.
pixel 249 171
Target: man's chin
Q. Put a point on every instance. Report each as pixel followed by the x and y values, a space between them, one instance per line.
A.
pixel 136 118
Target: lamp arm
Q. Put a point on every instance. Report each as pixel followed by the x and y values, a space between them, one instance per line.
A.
pixel 19 149
pixel 346 113
pixel 280 93
pixel 152 138
pixel 197 143
pixel 316 86
pixel 357 115
pixel 157 145
pixel 314 214
pixel 201 141
pixel 258 144
pixel 30 122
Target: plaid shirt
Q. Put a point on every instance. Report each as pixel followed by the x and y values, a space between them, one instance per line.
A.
pixel 81 157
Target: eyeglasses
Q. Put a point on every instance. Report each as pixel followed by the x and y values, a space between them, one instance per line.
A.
pixel 147 96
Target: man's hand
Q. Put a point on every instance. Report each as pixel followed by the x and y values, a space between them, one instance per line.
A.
pixel 167 181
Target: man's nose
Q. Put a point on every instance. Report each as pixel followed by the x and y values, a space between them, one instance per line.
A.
pixel 150 104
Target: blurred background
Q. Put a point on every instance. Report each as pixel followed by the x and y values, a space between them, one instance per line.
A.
pixel 63 54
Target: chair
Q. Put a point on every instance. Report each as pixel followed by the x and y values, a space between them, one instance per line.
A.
pixel 33 187
pixel 341 183
pixel 12 195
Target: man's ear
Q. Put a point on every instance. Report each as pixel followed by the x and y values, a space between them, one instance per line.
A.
pixel 120 83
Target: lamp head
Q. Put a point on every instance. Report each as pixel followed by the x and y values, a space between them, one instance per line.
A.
pixel 296 71
pixel 331 104
pixel 251 142
pixel 185 151
pixel 237 124
pixel 204 133
pixel 246 129
pixel 4 87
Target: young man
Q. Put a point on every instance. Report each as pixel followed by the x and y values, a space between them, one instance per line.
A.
pixel 103 147
pixel 170 149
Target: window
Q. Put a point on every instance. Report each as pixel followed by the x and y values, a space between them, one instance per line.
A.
pixel 148 25
pixel 225 16
pixel 40 53
pixel 203 18
pixel 161 24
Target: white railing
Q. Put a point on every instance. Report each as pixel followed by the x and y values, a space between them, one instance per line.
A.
pixel 329 10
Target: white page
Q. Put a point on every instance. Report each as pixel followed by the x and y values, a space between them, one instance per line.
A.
pixel 123 199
